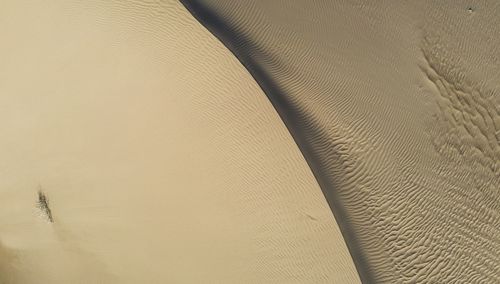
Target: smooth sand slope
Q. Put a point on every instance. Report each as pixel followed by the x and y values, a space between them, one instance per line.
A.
pixel 396 107
pixel 156 153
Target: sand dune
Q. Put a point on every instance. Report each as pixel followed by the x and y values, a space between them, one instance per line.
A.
pixel 157 156
pixel 143 143
pixel 396 107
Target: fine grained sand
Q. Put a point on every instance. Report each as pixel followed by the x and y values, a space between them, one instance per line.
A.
pixel 396 107
pixel 157 155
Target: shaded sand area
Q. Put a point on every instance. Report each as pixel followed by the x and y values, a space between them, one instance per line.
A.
pixel 137 149
pixel 396 107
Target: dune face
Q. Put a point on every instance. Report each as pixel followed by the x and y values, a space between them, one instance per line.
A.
pixel 396 108
pixel 137 149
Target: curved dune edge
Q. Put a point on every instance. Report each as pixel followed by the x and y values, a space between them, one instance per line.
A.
pixel 137 149
pixel 396 109
pixel 240 46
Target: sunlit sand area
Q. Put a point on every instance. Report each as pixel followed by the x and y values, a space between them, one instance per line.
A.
pixel 156 152
pixel 222 141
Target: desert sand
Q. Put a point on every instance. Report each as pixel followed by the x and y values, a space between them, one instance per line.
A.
pixel 396 108
pixel 136 148
pixel 222 141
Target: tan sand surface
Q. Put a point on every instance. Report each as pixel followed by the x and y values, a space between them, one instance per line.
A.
pixel 158 155
pixel 396 107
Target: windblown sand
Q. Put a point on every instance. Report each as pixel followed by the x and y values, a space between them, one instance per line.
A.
pixel 249 141
pixel 396 107
pixel 137 149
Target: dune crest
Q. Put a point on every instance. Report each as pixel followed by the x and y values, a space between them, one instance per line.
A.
pixel 137 149
pixel 395 106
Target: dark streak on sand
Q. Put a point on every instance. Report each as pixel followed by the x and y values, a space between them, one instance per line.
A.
pixel 43 204
pixel 244 50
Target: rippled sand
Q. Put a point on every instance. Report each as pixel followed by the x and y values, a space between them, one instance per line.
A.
pixel 396 107
pixel 137 149
pixel 151 142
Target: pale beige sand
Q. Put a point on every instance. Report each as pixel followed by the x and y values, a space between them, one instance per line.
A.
pixel 162 159
pixel 396 106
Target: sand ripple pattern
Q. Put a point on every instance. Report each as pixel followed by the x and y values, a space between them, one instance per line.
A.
pixel 137 149
pixel 396 119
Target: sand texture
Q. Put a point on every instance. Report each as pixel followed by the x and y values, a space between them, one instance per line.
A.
pixel 396 107
pixel 136 148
